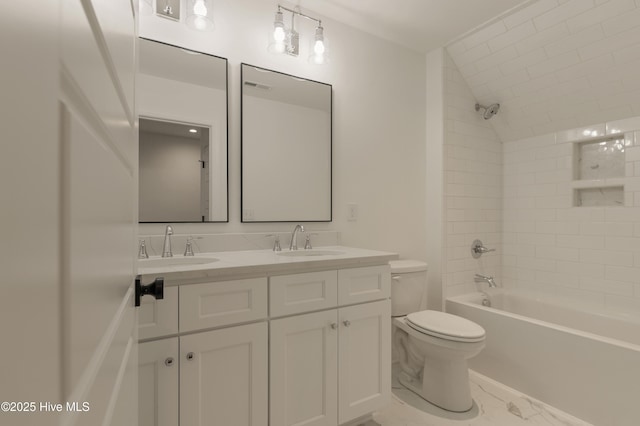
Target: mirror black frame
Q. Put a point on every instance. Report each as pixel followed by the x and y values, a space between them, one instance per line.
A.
pixel 226 61
pixel 292 220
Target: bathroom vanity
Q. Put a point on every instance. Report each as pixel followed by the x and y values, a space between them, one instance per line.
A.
pixel 262 338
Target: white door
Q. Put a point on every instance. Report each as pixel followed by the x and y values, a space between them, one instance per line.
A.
pixel 98 160
pixel 303 370
pixel 224 377
pixel 159 382
pixel 365 359
pixel 69 147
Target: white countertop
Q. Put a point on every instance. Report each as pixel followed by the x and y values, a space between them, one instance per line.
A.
pixel 264 262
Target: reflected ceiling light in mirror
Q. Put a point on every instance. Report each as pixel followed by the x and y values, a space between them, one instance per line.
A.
pixel 199 15
pixel 193 130
pixel 287 40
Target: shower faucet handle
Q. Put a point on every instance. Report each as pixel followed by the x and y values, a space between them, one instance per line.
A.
pixel 478 249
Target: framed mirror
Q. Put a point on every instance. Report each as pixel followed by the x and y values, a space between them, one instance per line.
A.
pixel 183 111
pixel 286 147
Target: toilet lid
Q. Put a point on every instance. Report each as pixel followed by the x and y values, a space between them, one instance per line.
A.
pixel 446 326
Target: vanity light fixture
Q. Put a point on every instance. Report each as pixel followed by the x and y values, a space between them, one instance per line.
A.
pixel 198 13
pixel 169 9
pixel 287 40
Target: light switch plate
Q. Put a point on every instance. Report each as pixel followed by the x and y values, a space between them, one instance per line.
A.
pixel 352 212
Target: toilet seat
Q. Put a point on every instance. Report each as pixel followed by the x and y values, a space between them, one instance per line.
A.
pixel 445 326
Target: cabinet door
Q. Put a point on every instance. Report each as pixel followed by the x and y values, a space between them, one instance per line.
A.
pixel 224 377
pixel 158 383
pixel 364 359
pixel 304 370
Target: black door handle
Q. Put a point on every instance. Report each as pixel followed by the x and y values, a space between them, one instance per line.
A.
pixel 155 289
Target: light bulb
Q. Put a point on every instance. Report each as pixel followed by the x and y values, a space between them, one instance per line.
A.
pixel 278 34
pixel 318 47
pixel 199 8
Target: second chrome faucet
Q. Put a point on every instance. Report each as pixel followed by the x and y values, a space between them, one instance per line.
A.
pixel 294 235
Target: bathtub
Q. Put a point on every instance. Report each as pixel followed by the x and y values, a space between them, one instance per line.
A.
pixel 583 362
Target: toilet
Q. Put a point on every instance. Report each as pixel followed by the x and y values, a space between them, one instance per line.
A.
pixel 432 346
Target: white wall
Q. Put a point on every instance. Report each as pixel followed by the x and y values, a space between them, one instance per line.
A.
pixel 435 175
pixel 472 187
pixel 378 127
pixel 169 175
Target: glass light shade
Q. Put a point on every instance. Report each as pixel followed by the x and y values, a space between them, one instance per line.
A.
pixel 277 41
pixel 318 49
pixel 199 15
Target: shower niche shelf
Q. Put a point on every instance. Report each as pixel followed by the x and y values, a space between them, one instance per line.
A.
pixel 599 172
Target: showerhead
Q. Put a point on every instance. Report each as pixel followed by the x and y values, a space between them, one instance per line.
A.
pixel 489 111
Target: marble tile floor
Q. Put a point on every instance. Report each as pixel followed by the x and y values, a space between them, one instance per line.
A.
pixel 494 405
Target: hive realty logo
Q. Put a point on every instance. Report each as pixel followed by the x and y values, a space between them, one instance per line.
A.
pixel 78 407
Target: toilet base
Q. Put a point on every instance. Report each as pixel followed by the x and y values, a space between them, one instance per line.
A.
pixel 453 404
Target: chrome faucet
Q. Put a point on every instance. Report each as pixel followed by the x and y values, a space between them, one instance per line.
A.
pixel 166 248
pixel 484 279
pixel 294 234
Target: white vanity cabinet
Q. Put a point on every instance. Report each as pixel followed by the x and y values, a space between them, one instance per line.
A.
pixel 280 349
pixel 333 366
pixel 214 377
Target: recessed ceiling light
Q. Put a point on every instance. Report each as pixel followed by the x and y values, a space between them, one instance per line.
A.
pixel 193 130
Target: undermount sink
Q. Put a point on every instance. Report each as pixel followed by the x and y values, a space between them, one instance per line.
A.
pixel 174 261
pixel 303 253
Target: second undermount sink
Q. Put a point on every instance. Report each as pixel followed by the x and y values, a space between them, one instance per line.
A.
pixel 312 252
pixel 161 262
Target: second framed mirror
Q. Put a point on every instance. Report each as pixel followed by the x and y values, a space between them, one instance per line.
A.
pixel 286 147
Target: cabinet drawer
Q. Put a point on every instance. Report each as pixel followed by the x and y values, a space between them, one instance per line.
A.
pixel 359 285
pixel 158 317
pixel 292 294
pixel 227 302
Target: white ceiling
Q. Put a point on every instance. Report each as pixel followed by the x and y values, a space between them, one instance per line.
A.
pixel 421 25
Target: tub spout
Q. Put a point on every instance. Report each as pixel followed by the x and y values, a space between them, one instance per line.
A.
pixel 485 279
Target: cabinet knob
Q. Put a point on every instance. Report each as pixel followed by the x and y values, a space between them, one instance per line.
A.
pixel 334 325
pixel 168 362
pixel 346 323
pixel 190 356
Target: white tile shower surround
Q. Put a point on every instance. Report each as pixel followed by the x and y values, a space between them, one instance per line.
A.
pixel 586 254
pixel 555 64
pixel 473 187
pixel 494 405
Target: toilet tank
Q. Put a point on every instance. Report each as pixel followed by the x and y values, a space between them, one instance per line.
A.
pixel 408 286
